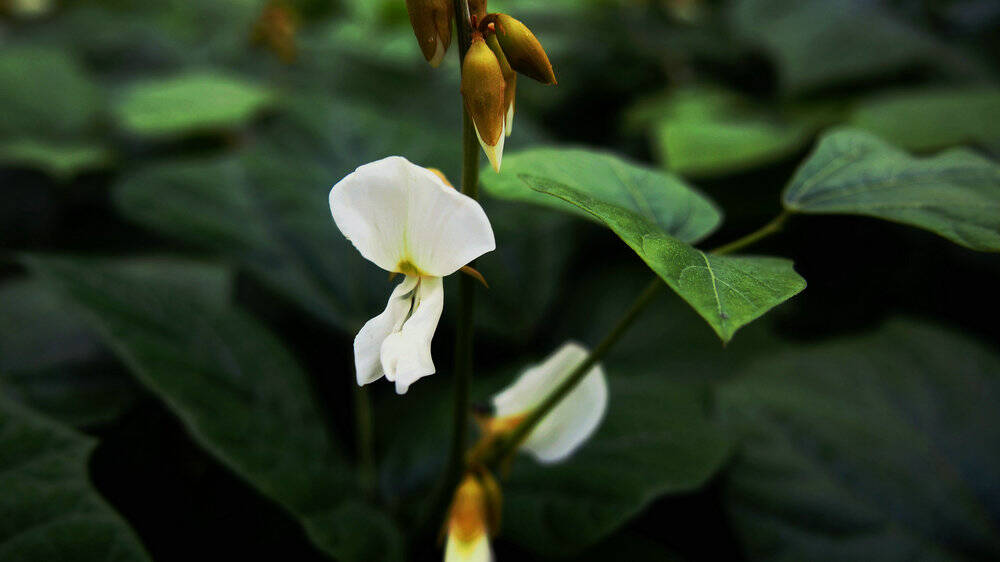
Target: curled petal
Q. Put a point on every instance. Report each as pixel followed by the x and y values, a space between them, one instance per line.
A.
pixel 406 353
pixel 571 422
pixel 400 215
pixel 368 342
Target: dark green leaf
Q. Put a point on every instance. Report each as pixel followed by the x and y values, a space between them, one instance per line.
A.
pixel 235 388
pixel 189 103
pixel 655 440
pixel 824 43
pixel 728 292
pixel 955 194
pixel 885 443
pixel 663 199
pixel 50 510
pixel 45 94
pixel 932 119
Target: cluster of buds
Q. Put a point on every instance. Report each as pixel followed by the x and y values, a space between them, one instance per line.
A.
pixel 501 48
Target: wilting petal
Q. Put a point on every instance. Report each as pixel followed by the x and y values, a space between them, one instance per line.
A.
pixel 395 212
pixel 494 153
pixel 570 423
pixel 368 342
pixel 406 353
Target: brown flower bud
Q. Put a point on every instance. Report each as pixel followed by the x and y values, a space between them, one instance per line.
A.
pixel 510 78
pixel 431 21
pixel 483 91
pixel 524 53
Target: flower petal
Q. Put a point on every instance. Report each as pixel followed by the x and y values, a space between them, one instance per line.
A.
pixel 406 353
pixel 570 423
pixel 477 550
pixel 395 212
pixel 368 342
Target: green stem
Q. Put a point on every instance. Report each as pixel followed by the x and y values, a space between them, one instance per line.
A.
pixel 510 444
pixel 756 236
pixel 366 439
pixel 438 503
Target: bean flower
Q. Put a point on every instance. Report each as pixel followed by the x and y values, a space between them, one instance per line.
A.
pixel 406 220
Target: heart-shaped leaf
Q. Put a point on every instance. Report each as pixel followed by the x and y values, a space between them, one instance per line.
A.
pixel 665 200
pixel 955 194
pixel 50 510
pixel 238 392
pixel 728 292
pixel 883 443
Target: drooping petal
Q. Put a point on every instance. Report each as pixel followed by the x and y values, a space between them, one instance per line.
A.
pixel 406 353
pixel 368 342
pixel 397 213
pixel 571 422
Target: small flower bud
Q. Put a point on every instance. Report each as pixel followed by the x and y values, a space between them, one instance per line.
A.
pixel 431 21
pixel 524 53
pixel 510 78
pixel 483 89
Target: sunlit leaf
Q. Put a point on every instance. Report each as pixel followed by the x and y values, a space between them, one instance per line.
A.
pixel 883 443
pixel 728 292
pixel 189 103
pixel 238 392
pixel 50 510
pixel 932 119
pixel 955 194
pixel 710 132
pixel 663 199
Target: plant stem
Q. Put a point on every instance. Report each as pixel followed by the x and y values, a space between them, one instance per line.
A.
pixel 366 440
pixel 466 307
pixel 768 229
pixel 510 444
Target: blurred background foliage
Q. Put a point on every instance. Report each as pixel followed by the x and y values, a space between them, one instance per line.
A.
pixel 177 307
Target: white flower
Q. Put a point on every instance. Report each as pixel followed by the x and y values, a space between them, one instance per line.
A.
pixel 405 219
pixel 572 421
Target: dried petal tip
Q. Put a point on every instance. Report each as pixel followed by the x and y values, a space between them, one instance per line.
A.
pixel 523 50
pixel 431 21
pixel 483 88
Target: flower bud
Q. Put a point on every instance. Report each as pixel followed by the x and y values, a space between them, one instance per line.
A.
pixel 474 511
pixel 431 21
pixel 483 89
pixel 510 78
pixel 524 53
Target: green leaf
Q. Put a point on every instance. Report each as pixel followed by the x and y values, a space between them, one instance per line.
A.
pixel 708 131
pixel 663 199
pixel 61 161
pixel 51 360
pixel 826 43
pixel 728 292
pixel 882 443
pixel 929 119
pixel 189 103
pixel 50 510
pixel 270 213
pixel 45 94
pixel 955 194
pixel 656 439
pixel 236 389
